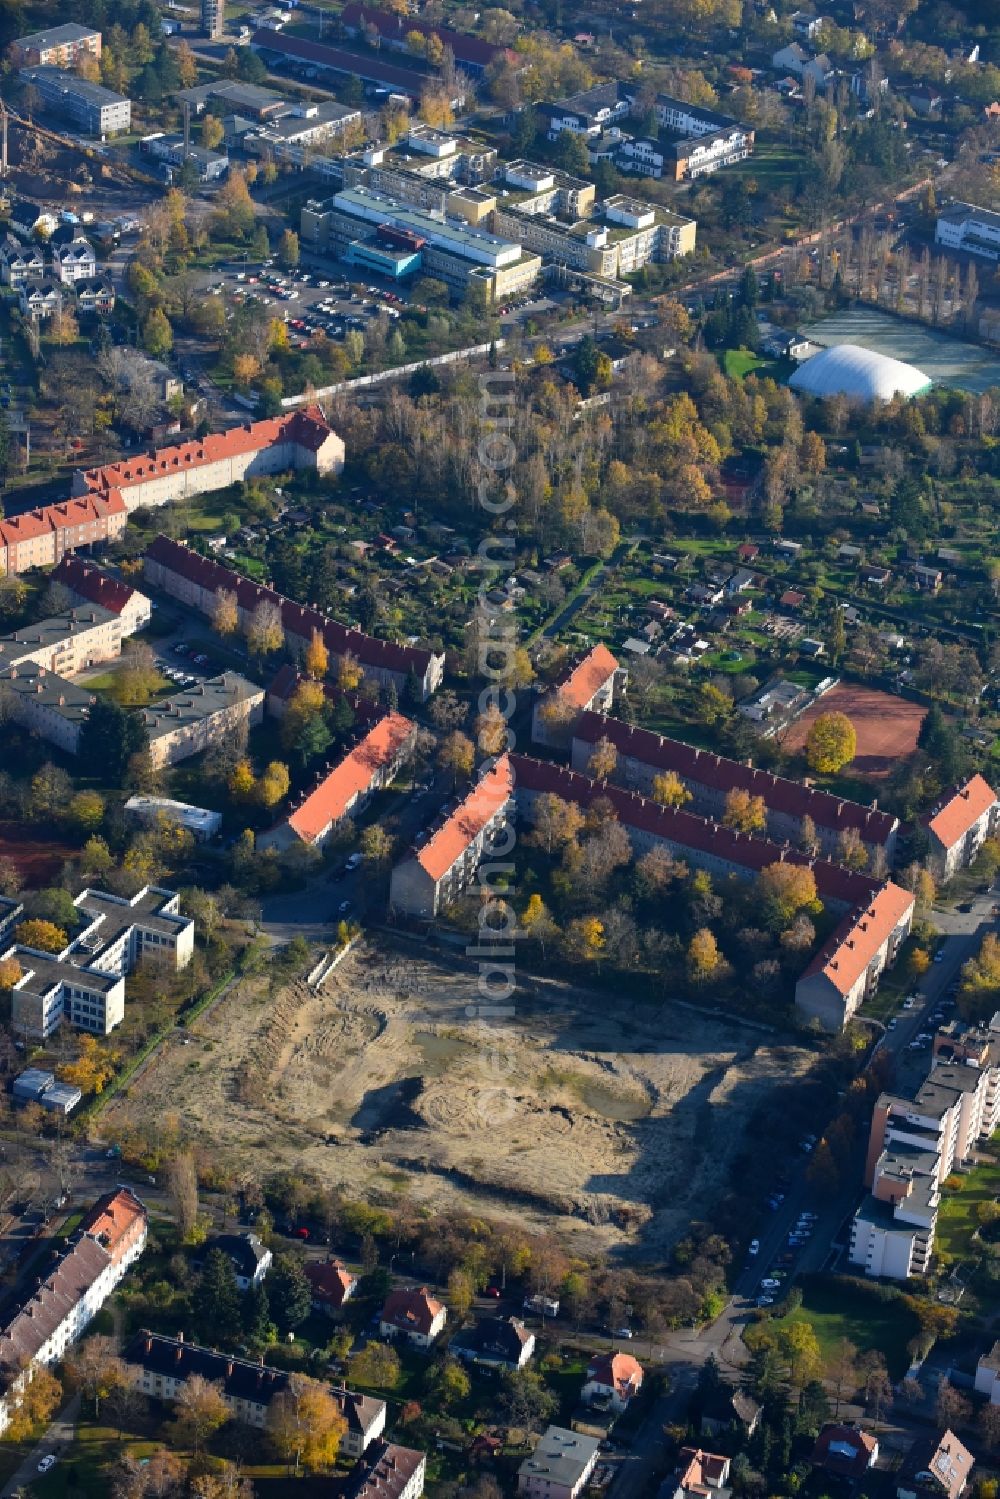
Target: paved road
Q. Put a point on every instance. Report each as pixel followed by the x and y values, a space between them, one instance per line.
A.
pixel 56 1440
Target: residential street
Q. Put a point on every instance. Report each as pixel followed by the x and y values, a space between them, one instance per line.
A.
pixel 55 1440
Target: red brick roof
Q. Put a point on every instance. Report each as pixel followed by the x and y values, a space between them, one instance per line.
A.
pixel 587 677
pixel 91 583
pixel 113 1218
pixel 64 515
pixel 701 1471
pixel 340 59
pixel 618 1371
pixel 412 1310
pixel 844 1449
pixel 307 427
pixel 854 943
pixel 298 619
pixel 960 811
pixel 720 774
pixel 331 1280
pixel 746 850
pixel 333 797
pixel 453 837
pixel 389 25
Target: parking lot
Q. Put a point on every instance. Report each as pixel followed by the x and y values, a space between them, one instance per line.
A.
pixel 323 296
pixel 309 300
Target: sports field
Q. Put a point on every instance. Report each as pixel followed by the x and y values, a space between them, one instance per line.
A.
pixel 886 726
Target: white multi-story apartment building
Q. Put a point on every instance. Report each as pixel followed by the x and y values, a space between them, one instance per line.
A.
pixel 97 110
pixel 914 1145
pixel 85 983
pixel 965 227
pixel 63 1304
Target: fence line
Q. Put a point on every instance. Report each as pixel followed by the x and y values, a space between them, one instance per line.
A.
pixel 360 381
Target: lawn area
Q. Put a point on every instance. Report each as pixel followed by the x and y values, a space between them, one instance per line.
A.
pixel 84 1468
pixel 957 1221
pixel 738 363
pixel 108 681
pixel 893 987
pixel 834 1311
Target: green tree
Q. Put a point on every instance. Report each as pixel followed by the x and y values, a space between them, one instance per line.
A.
pixel 586 365
pixel 108 740
pixel 216 1300
pixel 257 1322
pixel 289 1292
pixel 157 335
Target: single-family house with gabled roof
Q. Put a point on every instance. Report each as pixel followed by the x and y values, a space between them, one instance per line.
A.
pixel 28 218
pixel 414 1314
pixel 95 296
pixel 332 1284
pixel 75 261
pixel 935 1468
pixel 613 1380
pixel 495 1343
pixel 40 299
pixel 726 1409
pixel 845 1450
pixel 251 1259
pixel 700 1474
pixel 20 263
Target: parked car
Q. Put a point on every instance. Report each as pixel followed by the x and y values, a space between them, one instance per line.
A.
pixel 47 1462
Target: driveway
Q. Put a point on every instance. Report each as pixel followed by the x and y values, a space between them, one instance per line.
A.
pixel 56 1440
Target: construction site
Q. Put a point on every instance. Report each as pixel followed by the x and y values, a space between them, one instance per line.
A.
pixel 612 1128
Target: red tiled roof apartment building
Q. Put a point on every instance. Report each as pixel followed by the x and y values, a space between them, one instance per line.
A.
pixel 44 1325
pixel 958 825
pixel 470 52
pixel 876 915
pixel 590 685
pixel 709 778
pixel 440 868
pixel 40 538
pixel 197 581
pixel 347 788
pixel 89 584
pixel 302 440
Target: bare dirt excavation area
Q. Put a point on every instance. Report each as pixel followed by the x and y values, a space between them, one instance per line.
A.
pixel 617 1127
